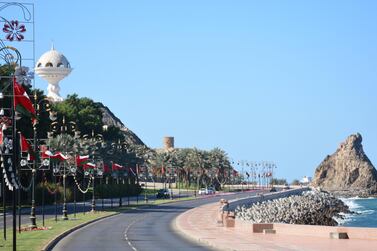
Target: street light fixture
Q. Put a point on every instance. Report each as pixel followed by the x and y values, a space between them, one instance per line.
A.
pixel 33 166
pixel 92 173
pixel 42 105
pixel 67 166
pixel 62 169
pixel 97 171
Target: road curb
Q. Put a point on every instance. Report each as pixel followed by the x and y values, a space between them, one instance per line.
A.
pixel 52 243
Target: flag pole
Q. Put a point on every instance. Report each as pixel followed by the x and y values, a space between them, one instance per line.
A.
pixel 4 209
pixel 15 163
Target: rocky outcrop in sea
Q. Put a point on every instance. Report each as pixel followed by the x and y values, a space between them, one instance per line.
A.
pixel 311 208
pixel 348 172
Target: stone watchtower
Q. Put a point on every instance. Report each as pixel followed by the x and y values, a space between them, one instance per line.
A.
pixel 168 143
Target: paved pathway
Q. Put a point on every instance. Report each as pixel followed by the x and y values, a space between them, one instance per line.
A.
pixel 147 228
pixel 200 225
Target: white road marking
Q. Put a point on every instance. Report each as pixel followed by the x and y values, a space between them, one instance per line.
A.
pixel 128 228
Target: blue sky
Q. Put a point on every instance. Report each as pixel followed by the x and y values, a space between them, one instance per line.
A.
pixel 284 81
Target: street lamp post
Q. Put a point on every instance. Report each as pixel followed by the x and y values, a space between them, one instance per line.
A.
pixel 171 175
pixel 179 186
pixel 36 165
pixel 145 186
pixel 93 173
pixel 25 165
pixel 64 168
pixel 125 174
pixel 102 199
pixel 97 171
pixel 120 193
pixel 115 176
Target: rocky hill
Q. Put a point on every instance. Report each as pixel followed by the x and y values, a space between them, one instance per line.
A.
pixel 109 119
pixel 347 172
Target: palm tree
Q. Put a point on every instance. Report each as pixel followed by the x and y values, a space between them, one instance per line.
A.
pixel 66 144
pixel 158 164
pixel 197 159
pixel 220 165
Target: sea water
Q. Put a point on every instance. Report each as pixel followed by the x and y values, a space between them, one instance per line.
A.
pixel 365 212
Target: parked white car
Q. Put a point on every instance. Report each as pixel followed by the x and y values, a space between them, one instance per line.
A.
pixel 206 191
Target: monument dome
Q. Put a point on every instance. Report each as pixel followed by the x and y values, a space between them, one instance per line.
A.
pixel 53 66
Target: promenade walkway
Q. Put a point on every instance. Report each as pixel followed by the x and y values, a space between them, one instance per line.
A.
pixel 199 224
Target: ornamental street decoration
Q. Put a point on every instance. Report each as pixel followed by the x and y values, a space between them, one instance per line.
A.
pixel 14 30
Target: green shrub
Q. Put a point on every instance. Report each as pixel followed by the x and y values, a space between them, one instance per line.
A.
pixel 50 189
pixel 101 191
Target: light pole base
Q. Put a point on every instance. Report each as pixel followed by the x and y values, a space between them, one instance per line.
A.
pixel 65 214
pixel 33 224
pixel 93 207
pixel 33 219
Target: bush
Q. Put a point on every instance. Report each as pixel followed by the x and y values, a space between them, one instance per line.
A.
pixel 50 189
pixel 117 190
pixel 101 191
pixel 295 183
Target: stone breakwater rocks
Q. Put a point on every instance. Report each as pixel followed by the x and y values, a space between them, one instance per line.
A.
pixel 310 208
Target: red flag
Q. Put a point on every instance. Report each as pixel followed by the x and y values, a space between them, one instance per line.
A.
pixel 26 148
pixel 116 167
pixel 22 102
pixel 46 154
pixel 88 166
pixel 80 160
pixel 1 134
pixel 106 168
pixel 58 155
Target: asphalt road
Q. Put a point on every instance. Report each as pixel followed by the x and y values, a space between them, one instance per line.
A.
pixel 144 229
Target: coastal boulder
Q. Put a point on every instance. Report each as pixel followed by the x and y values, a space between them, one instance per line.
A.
pixel 348 172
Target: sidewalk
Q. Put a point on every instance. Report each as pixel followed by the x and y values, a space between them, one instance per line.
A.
pixel 199 224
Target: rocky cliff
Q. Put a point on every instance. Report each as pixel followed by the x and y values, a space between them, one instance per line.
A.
pixel 347 172
pixel 109 119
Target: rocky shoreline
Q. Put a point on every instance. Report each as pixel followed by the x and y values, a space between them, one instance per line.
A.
pixel 311 208
pixel 360 193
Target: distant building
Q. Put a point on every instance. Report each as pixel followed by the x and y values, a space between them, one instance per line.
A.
pixel 53 66
pixel 306 180
pixel 168 143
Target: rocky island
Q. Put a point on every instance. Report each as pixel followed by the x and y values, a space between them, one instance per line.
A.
pixel 348 172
